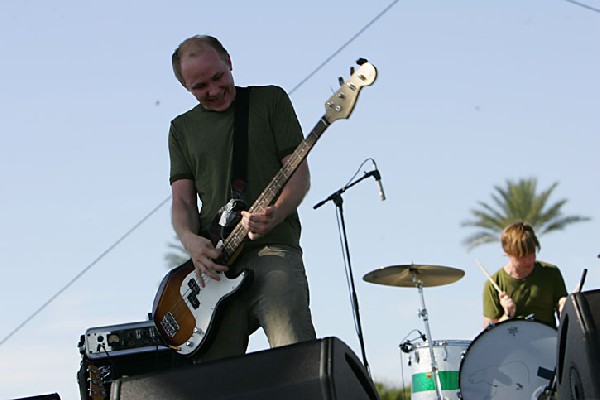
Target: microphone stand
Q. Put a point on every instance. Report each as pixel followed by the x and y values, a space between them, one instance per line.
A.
pixel 337 199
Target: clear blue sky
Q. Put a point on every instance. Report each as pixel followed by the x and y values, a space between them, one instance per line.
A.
pixel 469 94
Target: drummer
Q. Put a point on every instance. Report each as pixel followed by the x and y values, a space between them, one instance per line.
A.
pixel 527 286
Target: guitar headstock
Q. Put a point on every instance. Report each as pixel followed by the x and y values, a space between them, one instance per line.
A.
pixel 341 104
pixel 97 387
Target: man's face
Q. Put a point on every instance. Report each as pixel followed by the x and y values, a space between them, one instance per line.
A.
pixel 208 77
pixel 523 262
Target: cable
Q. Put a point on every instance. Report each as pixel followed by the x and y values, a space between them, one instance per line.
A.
pixel 402 374
pixel 335 53
pixel 116 243
pixel 583 5
pixel 86 269
pixel 358 170
pixel 406 346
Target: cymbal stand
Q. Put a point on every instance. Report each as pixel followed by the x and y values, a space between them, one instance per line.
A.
pixel 423 314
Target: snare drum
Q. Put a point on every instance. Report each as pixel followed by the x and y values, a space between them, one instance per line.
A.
pixel 448 354
pixel 509 360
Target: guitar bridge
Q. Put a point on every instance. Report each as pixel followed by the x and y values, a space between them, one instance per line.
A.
pixel 170 325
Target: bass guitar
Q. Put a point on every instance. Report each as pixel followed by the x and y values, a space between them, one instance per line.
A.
pixel 183 311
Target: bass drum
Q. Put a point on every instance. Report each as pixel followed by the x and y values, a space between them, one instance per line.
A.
pixel 448 354
pixel 509 360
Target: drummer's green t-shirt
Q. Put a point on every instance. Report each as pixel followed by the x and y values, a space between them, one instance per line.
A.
pixel 536 295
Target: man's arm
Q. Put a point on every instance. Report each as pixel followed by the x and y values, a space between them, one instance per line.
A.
pixel 186 222
pixel 509 306
pixel 560 305
pixel 259 224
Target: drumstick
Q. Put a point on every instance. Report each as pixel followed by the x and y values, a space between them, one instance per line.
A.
pixel 488 276
pixel 581 281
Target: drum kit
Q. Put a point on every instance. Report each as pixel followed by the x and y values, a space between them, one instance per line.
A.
pixel 514 359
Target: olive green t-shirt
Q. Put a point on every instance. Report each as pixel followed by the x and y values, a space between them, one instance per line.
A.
pixel 201 146
pixel 538 294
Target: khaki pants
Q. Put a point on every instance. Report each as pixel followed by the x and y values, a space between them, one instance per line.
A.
pixel 277 300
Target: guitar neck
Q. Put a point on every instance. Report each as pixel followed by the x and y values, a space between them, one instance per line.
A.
pixel 339 106
pixel 271 192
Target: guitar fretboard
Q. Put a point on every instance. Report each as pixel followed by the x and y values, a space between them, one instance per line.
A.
pixel 270 193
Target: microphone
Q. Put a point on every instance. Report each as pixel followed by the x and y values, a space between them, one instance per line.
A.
pixel 377 177
pixel 406 346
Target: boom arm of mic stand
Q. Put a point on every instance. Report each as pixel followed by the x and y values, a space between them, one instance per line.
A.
pixel 337 193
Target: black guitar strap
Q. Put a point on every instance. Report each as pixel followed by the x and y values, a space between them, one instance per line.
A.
pixel 239 170
pixel 229 215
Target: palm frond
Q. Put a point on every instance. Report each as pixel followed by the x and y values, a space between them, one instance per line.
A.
pixel 517 201
pixel 177 255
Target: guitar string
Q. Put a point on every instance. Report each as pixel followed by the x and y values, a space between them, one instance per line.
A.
pixel 181 303
pixel 238 234
pixel 161 204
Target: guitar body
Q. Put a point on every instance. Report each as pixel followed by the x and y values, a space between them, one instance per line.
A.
pixel 184 312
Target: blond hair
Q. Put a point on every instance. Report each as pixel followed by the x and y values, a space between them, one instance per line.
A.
pixel 192 47
pixel 519 240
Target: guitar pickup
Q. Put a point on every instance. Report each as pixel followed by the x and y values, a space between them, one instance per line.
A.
pixel 192 297
pixel 193 285
pixel 194 302
pixel 170 325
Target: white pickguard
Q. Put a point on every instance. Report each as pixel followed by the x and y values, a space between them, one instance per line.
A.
pixel 209 298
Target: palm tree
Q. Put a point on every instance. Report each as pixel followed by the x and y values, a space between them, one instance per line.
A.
pixel 392 393
pixel 177 254
pixel 518 201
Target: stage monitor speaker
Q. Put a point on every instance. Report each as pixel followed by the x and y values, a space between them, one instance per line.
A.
pixel 320 369
pixel 578 352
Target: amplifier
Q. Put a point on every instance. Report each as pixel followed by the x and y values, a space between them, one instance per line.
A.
pixel 111 352
pixel 120 340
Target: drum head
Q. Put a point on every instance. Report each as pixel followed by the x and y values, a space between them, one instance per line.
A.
pixel 510 360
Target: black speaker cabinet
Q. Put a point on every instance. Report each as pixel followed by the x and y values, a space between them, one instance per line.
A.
pixel 53 396
pixel 320 369
pixel 578 353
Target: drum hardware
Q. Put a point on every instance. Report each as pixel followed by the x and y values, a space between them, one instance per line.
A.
pixel 418 276
pixel 407 345
pixel 547 392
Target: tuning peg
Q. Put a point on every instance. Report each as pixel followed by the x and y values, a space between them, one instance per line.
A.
pixel 351 70
pixel 361 61
pixel 341 81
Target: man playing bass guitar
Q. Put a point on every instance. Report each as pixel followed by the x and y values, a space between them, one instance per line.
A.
pixel 200 149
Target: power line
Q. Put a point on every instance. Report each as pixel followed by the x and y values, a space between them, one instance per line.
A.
pixel 86 269
pixel 364 28
pixel 583 5
pixel 162 203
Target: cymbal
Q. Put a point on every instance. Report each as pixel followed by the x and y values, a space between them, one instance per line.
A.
pixel 410 275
